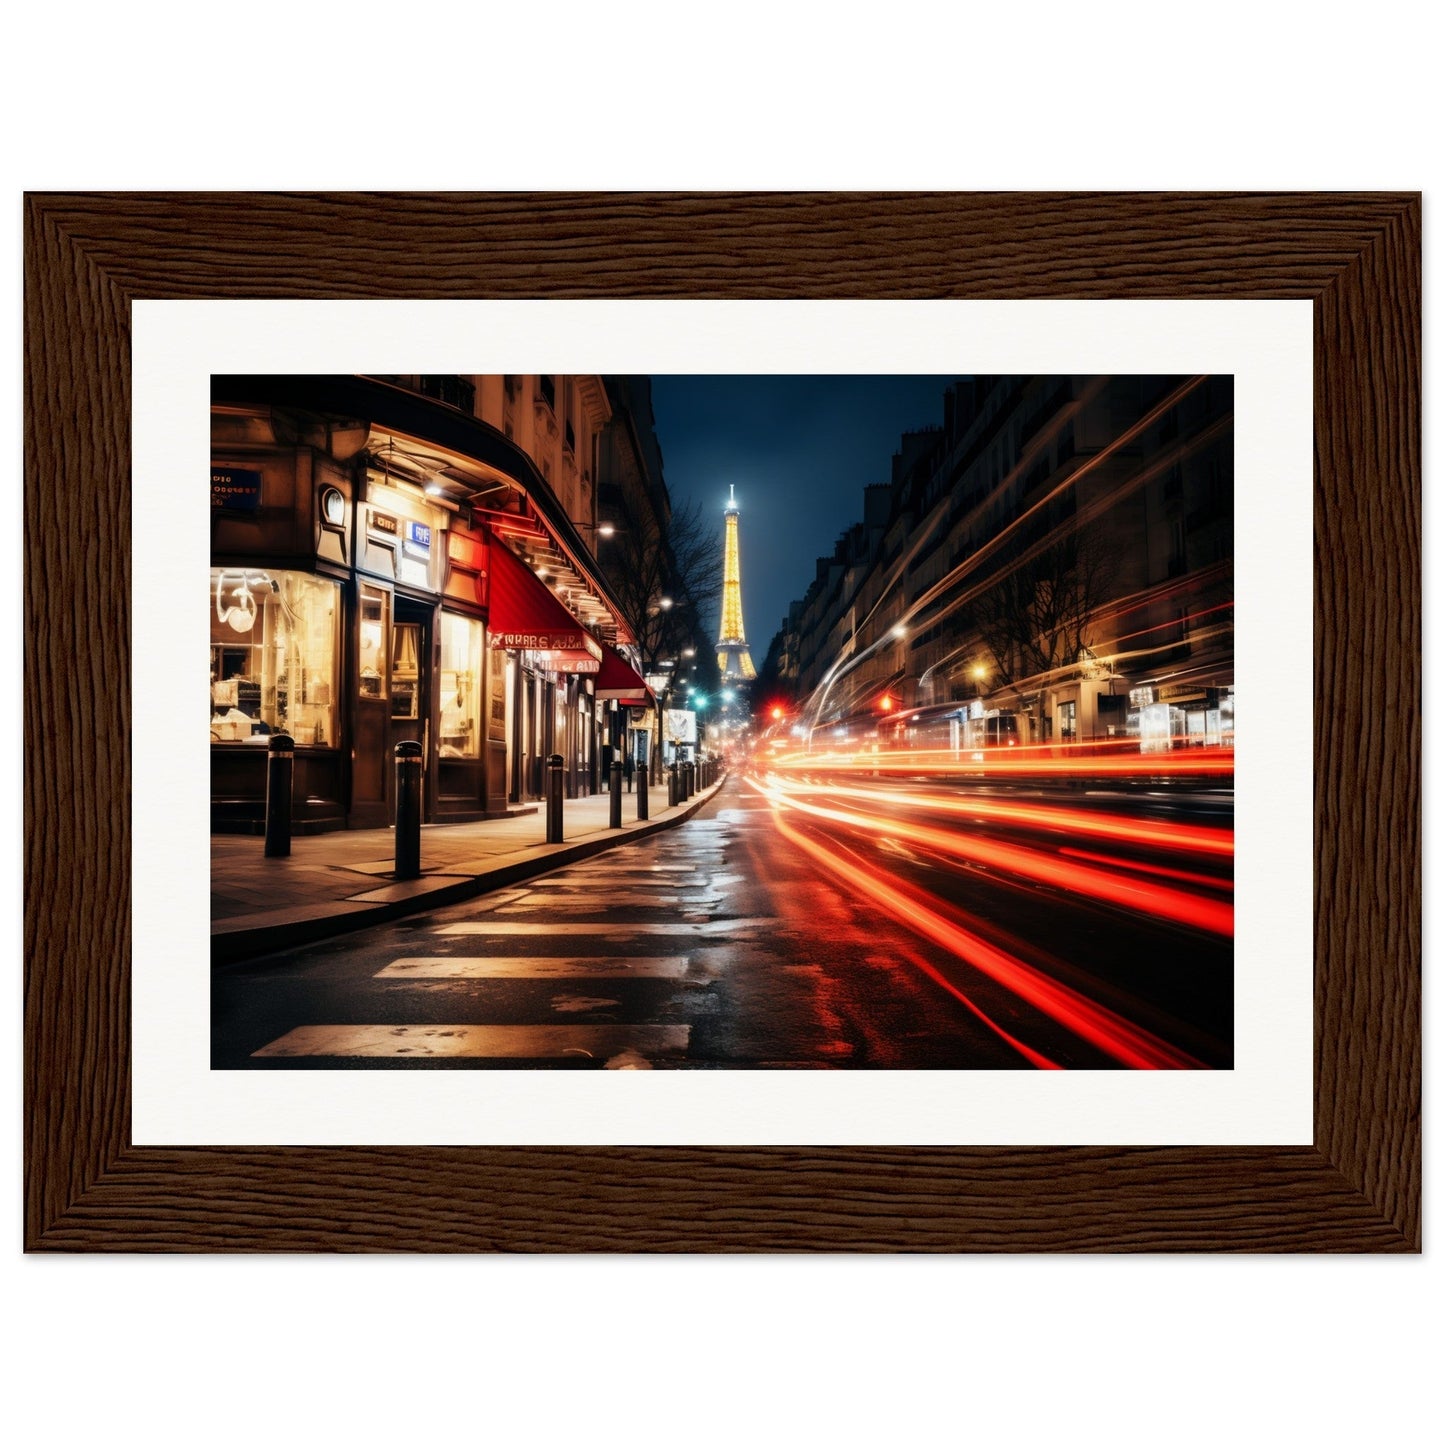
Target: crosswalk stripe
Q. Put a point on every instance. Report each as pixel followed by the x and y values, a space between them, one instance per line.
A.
pixel 627 880
pixel 607 870
pixel 636 1043
pixel 617 930
pixel 594 902
pixel 519 966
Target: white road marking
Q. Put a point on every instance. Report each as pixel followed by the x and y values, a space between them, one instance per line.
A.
pixel 604 870
pixel 598 902
pixel 614 930
pixel 517 966
pixel 629 880
pixel 483 1041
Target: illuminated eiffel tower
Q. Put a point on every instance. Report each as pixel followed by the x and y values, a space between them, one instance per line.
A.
pixel 733 658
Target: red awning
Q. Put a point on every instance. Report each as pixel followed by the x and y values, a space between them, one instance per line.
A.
pixel 618 678
pixel 522 614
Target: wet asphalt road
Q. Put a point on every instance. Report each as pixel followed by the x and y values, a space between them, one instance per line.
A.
pixel 733 942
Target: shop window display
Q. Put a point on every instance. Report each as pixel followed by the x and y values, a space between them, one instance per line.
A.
pixel 461 686
pixel 273 656
pixel 372 676
pixel 405 669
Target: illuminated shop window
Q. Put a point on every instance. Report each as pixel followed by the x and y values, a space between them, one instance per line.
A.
pixel 375 635
pixel 1068 722
pixel 461 687
pixel 405 669
pixel 273 656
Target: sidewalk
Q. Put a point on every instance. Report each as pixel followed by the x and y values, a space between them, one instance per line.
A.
pixel 336 882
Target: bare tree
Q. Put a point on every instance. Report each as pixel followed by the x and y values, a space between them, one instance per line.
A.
pixel 673 562
pixel 677 562
pixel 1034 617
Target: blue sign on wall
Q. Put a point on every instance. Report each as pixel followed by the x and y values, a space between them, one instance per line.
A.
pixel 237 489
pixel 418 536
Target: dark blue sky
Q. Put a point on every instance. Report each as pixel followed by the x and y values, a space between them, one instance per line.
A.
pixel 800 450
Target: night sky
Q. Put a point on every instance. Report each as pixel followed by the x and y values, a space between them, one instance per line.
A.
pixel 800 450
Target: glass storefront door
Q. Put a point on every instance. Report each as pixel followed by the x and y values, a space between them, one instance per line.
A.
pixel 393 699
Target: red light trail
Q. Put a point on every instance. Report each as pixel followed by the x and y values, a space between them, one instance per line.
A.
pixel 1122 1041
pixel 1087 880
pixel 1178 837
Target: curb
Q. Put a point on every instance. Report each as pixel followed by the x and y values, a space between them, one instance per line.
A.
pixel 242 945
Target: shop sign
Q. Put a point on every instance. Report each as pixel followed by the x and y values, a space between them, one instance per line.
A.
pixel 540 641
pixel 680 725
pixel 235 489
pixel 570 660
pixel 418 539
pixel 383 522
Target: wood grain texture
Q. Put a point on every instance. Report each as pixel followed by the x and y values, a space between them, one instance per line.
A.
pixel 1357 257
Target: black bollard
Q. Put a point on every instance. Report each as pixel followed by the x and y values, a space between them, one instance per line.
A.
pixel 672 785
pixel 614 802
pixel 280 766
pixel 408 810
pixel 554 798
pixel 642 795
pixel 689 779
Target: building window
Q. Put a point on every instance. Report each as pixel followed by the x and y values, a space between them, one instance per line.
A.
pixel 455 391
pixel 547 390
pixel 461 683
pixel 273 656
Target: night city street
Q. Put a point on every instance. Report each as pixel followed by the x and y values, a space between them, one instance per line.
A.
pixel 970 806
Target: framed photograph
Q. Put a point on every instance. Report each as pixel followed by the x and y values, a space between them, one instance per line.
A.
pixel 1304 1132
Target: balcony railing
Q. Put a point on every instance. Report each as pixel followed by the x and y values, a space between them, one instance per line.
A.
pixel 455 391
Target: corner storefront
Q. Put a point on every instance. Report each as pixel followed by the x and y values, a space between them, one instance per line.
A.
pixel 360 596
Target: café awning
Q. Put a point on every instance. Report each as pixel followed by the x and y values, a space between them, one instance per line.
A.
pixel 522 614
pixel 618 679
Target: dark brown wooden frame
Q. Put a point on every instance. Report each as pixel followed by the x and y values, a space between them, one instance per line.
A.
pixel 1356 257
